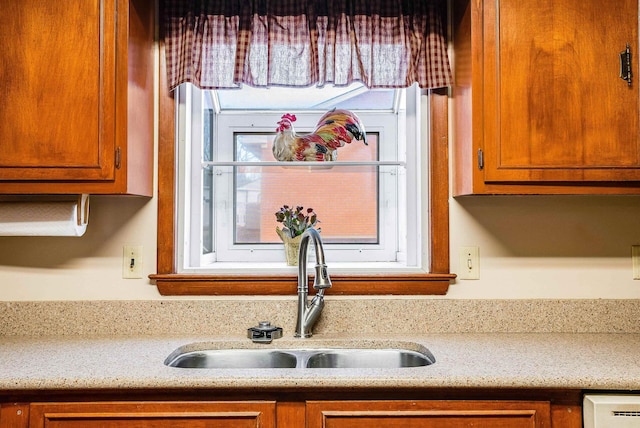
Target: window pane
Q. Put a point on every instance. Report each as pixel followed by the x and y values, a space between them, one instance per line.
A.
pixel 346 198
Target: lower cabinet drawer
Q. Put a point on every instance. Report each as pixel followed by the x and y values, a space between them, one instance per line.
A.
pixel 259 414
pixel 428 414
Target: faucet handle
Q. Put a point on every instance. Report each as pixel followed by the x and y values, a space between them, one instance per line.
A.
pixel 322 279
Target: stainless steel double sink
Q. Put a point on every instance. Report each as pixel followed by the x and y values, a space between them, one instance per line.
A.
pixel 330 357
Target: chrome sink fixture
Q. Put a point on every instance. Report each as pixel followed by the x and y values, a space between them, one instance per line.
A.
pixel 308 313
pixel 327 358
pixel 264 332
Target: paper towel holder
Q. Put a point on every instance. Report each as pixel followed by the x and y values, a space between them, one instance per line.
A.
pixel 83 209
pixel 14 224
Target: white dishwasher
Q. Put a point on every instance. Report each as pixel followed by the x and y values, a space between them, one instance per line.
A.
pixel 611 411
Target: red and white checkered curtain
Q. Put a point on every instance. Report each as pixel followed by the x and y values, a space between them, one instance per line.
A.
pixel 218 44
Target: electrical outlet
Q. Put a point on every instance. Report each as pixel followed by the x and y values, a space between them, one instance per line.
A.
pixel 132 261
pixel 635 261
pixel 469 267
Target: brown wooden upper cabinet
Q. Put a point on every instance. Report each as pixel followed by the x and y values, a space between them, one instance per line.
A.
pixel 76 112
pixel 542 102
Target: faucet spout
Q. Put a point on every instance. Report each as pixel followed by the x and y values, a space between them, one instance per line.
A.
pixel 309 312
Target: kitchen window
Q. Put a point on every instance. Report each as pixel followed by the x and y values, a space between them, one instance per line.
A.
pixel 323 46
pixel 433 279
pixel 369 200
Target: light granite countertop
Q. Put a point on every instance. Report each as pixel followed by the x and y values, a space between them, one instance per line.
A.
pixel 463 360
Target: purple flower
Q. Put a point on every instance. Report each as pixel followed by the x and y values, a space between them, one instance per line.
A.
pixel 295 222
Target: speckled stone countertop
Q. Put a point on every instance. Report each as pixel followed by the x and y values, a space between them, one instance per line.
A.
pixel 564 344
pixel 463 360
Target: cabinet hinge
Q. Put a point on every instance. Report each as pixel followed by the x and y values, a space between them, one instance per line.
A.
pixel 118 158
pixel 625 65
pixel 480 159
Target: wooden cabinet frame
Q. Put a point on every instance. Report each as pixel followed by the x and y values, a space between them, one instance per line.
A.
pixel 478 145
pixel 290 408
pixel 108 148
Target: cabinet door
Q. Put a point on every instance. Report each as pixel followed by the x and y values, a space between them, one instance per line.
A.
pixel 57 110
pixel 427 414
pixel 250 414
pixel 555 107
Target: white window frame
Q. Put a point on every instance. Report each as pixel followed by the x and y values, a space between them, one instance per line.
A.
pixel 410 239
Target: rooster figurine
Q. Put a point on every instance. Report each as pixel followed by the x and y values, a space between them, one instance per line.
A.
pixel 335 129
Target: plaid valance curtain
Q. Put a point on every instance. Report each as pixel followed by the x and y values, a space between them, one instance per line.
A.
pixel 382 43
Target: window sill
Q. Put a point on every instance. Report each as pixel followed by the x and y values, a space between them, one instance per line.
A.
pixel 225 285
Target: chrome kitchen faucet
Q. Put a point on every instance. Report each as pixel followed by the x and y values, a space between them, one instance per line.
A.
pixel 308 313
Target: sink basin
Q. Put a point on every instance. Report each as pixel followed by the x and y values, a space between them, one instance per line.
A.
pixel 233 359
pixel 368 358
pixel 336 358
